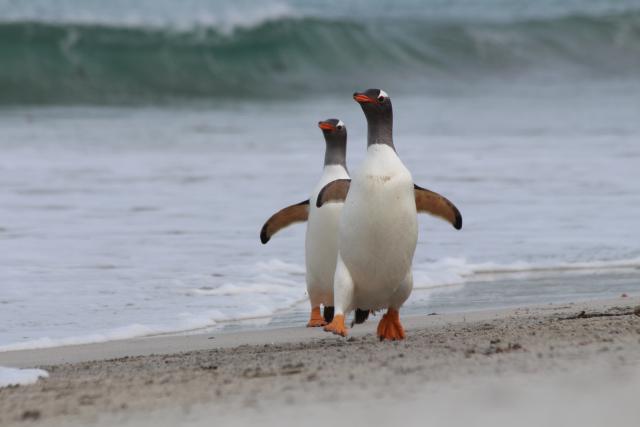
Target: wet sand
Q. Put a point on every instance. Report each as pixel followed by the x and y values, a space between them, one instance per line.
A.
pixel 571 364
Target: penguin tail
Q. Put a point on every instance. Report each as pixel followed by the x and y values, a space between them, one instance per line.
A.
pixel 328 313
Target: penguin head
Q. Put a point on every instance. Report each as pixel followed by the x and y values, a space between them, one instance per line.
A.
pixel 334 130
pixel 335 136
pixel 375 103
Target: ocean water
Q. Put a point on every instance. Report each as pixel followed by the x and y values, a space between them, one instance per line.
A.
pixel 142 147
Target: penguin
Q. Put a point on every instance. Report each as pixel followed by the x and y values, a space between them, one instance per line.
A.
pixel 321 240
pixel 378 229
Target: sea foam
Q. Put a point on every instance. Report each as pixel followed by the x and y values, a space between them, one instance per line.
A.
pixel 151 15
pixel 439 275
pixel 13 376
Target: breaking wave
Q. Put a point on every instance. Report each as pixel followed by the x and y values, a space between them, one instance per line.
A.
pixel 284 56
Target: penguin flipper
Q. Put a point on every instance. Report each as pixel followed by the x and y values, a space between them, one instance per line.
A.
pixel 335 191
pixel 283 218
pixel 437 205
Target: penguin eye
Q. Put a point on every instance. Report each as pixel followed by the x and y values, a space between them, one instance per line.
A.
pixel 339 127
pixel 382 95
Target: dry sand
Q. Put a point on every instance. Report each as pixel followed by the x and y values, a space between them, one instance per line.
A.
pixel 575 364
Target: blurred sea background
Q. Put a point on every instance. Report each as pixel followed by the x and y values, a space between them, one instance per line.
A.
pixel 143 144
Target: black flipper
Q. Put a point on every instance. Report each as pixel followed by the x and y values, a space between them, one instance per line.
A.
pixel 328 314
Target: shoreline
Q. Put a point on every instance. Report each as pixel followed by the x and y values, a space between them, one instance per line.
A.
pixel 479 296
pixel 176 342
pixel 553 355
pixel 181 341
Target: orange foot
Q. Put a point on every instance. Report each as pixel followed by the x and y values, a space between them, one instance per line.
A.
pixel 337 325
pixel 316 319
pixel 390 327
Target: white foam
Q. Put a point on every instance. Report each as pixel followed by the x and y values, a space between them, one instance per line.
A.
pixel 13 376
pixel 455 271
pixel 230 289
pixel 188 322
pixel 192 14
pixel 444 273
pixel 125 332
pixel 121 333
pixel 281 266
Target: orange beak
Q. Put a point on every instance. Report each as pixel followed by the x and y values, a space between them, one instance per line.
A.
pixel 325 126
pixel 361 98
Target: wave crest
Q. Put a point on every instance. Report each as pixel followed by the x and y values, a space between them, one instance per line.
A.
pixel 71 63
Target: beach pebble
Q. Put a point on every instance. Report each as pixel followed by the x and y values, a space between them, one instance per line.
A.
pixel 636 310
pixel 33 415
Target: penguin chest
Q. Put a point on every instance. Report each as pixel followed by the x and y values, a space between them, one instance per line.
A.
pixel 378 231
pixel 321 242
pixel 321 246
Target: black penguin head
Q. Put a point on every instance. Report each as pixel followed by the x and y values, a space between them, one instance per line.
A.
pixel 375 103
pixel 334 130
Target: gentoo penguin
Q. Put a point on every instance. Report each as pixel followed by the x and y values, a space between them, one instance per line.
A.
pixel 378 228
pixel 321 243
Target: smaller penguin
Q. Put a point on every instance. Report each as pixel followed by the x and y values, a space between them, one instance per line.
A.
pixel 321 242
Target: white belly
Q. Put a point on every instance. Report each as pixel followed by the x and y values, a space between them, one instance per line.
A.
pixel 378 228
pixel 321 243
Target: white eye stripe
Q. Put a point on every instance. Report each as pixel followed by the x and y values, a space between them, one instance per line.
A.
pixel 340 123
pixel 383 94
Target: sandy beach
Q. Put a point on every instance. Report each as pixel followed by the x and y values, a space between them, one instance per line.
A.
pixel 571 364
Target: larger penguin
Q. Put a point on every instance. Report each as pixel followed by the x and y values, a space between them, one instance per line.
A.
pixel 378 226
pixel 321 243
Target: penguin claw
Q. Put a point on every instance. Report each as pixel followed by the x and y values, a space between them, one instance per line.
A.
pixel 316 320
pixel 390 327
pixel 337 325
